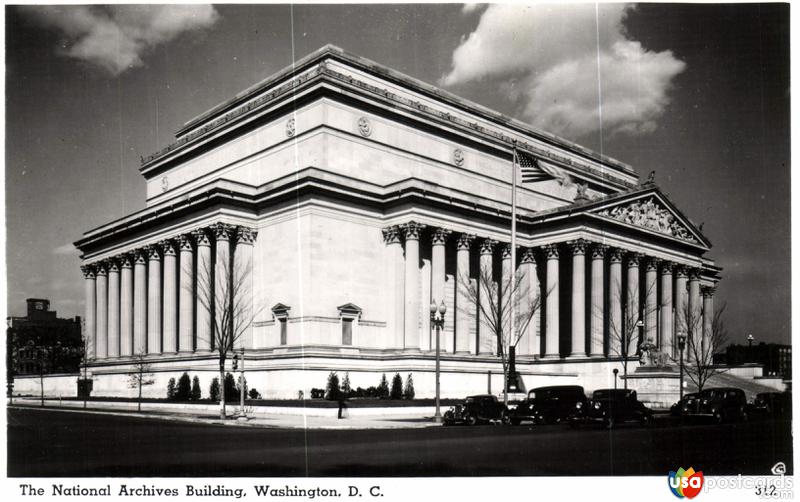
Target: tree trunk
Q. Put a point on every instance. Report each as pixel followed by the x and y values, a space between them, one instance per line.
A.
pixel 139 403
pixel 222 391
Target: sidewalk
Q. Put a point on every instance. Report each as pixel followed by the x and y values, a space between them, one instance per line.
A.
pixel 257 418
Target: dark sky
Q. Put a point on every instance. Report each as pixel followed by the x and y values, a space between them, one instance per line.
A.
pixel 712 116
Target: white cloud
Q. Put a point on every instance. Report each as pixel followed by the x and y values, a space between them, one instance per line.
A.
pixel 547 57
pixel 66 249
pixel 116 37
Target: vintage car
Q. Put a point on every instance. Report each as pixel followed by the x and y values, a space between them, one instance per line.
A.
pixel 719 404
pixel 482 408
pixel 610 407
pixel 679 408
pixel 548 404
pixel 772 405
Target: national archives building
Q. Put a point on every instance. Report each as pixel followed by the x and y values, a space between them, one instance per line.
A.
pixel 350 196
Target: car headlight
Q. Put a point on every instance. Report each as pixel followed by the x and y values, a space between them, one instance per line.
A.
pixel 597 406
pixel 579 405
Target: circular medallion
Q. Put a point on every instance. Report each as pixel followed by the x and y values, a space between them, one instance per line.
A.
pixel 164 184
pixel 290 127
pixel 458 157
pixel 364 126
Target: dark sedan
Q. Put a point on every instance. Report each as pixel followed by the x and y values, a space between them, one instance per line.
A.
pixel 772 405
pixel 719 404
pixel 610 407
pixel 548 404
pixel 477 409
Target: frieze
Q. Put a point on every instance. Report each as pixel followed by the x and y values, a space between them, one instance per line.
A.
pixel 651 215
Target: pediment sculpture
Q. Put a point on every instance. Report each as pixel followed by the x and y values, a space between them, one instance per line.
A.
pixel 649 214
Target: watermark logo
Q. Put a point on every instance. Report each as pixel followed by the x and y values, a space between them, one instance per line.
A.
pixel 685 483
pixel 779 469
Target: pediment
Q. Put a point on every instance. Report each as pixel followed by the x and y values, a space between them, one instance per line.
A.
pixel 651 212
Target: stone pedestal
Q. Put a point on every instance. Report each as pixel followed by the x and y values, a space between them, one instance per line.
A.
pixel 658 387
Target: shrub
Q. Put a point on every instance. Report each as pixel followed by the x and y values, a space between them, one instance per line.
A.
pixel 408 392
pixel 171 389
pixel 317 393
pixel 332 391
pixel 372 391
pixel 383 388
pixel 231 392
pixel 213 390
pixel 346 385
pixel 195 393
pixel 184 388
pixel 397 387
pixel 254 394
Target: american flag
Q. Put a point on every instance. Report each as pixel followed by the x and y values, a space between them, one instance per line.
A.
pixel 530 168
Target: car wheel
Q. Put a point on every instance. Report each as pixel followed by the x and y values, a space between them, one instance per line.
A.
pixel 504 418
pixel 646 419
pixel 608 423
pixel 718 417
pixel 471 420
pixel 745 417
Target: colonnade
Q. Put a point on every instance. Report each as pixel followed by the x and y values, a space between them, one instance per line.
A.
pixel 162 298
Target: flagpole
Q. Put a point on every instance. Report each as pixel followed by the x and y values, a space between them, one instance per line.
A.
pixel 512 285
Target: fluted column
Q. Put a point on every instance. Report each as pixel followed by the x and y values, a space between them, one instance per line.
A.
pixel 243 261
pixel 185 295
pixel 667 335
pixel 551 348
pixel 90 311
pixel 597 311
pixel 616 330
pixel 679 297
pixel 651 300
pixel 633 309
pixel 204 292
pixel 708 324
pixel 170 298
pixel 529 302
pixel 102 311
pixel 486 341
pixel 578 348
pixel 153 300
pixel 438 242
pixel 223 277
pixel 463 303
pixel 693 317
pixel 126 306
pixel 113 308
pixel 395 286
pixel 140 302
pixel 412 232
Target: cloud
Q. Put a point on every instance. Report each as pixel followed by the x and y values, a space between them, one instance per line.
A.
pixel 566 65
pixel 66 249
pixel 116 37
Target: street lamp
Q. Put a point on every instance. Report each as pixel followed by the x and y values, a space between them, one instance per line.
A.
pixel 615 378
pixel 750 347
pixel 681 346
pixel 438 322
pixel 239 358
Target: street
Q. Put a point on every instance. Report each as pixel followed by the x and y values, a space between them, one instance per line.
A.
pixel 69 444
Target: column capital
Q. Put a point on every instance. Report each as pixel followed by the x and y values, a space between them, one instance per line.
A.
pixel 680 271
pixel 694 274
pixel 101 268
pixel 652 263
pixel 487 246
pixel 439 236
pixel 167 247
pixel 708 291
pixel 667 267
pixel 578 246
pixel 391 235
pixel 551 251
pixel 529 256
pixel 245 235
pixel 112 265
pixel 223 231
pixel 634 259
pixel 89 271
pixel 201 237
pixel 615 255
pixel 505 251
pixel 152 252
pixel 125 260
pixel 412 230
pixel 185 242
pixel 464 242
pixel 599 251
pixel 140 256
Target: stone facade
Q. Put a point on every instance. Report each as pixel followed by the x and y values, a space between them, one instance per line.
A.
pixel 351 196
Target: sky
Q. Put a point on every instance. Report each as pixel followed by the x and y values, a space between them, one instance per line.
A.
pixel 698 93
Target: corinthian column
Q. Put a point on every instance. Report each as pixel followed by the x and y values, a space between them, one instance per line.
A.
pixel 551 348
pixel 438 241
pixel 667 342
pixel 694 327
pixel 243 258
pixel 633 312
pixel 615 327
pixel 651 300
pixel 412 232
pixel 223 277
pixel 153 300
pixel 528 301
pixel 578 298
pixel 102 311
pixel 486 341
pixel 113 309
pixel 462 297
pixel 204 293
pixel 395 286
pixel 707 349
pixel 126 306
pixel 186 295
pixel 597 312
pixel 89 327
pixel 170 298
pixel 140 302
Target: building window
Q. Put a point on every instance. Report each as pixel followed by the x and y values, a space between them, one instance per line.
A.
pixel 349 314
pixel 281 314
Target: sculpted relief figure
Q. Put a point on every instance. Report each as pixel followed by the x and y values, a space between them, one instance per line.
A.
pixel 649 214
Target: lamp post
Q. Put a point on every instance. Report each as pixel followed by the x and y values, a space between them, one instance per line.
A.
pixel 681 346
pixel 437 320
pixel 615 378
pixel 750 348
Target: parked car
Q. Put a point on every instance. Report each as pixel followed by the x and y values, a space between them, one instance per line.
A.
pixel 772 405
pixel 679 408
pixel 548 404
pixel 610 407
pixel 477 409
pixel 719 404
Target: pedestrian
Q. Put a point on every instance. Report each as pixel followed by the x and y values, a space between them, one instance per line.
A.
pixel 342 406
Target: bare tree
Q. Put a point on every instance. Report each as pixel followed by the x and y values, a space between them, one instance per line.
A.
pixel 492 303
pixel 701 342
pixel 86 351
pixel 140 376
pixel 623 330
pixel 225 294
